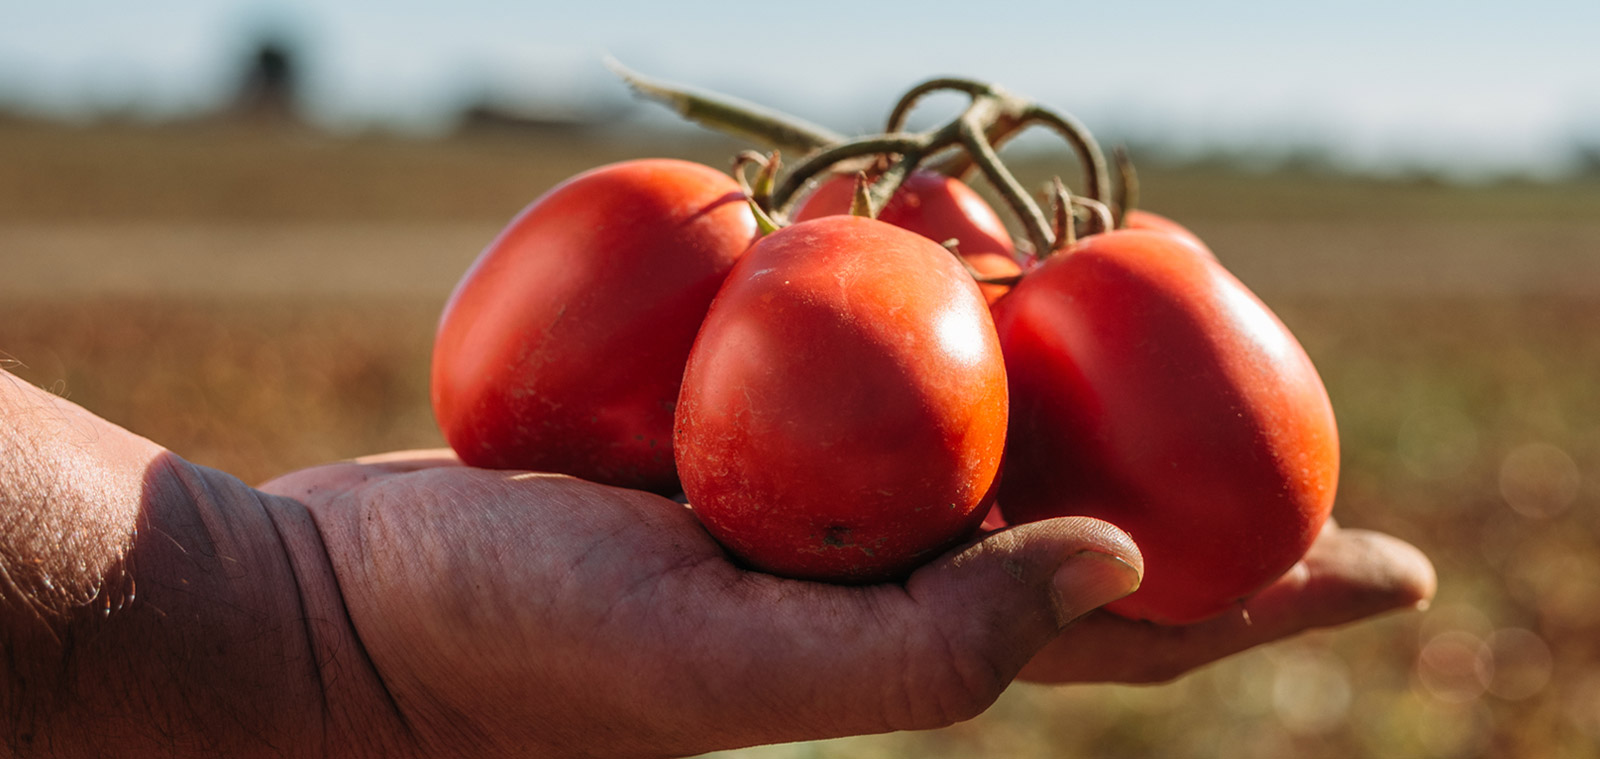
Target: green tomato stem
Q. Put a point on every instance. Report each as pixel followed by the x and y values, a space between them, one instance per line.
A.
pixel 992 117
pixel 730 115
pixel 764 223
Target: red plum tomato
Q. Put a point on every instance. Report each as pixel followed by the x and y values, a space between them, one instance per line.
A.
pixel 937 207
pixel 843 412
pixel 1151 389
pixel 563 346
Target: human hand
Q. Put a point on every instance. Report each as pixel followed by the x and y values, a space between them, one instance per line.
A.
pixel 1347 575
pixel 408 605
pixel 510 612
pixel 527 613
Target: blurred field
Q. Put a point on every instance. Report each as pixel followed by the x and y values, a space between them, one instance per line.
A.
pixel 263 299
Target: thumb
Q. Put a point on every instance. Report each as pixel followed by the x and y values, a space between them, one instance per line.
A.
pixel 996 603
pixel 1049 572
pixel 808 660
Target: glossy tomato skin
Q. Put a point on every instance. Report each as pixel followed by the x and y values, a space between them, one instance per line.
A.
pixel 562 348
pixel 1150 389
pixel 937 207
pixel 1154 222
pixel 843 411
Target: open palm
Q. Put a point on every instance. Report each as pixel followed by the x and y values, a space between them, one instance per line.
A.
pixel 513 612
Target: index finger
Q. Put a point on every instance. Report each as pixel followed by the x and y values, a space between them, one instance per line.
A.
pixel 1348 575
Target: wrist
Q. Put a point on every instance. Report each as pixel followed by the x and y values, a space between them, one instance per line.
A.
pixel 148 605
pixel 194 642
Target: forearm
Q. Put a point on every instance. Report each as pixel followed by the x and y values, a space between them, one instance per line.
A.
pixel 152 606
pixel 71 487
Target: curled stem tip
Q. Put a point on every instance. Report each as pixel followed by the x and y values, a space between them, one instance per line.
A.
pixel 1099 213
pixel 766 176
pixel 741 161
pixel 1066 225
pixel 1127 195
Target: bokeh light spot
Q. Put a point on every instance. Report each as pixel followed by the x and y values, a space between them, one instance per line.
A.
pixel 1539 480
pixel 1311 692
pixel 1455 667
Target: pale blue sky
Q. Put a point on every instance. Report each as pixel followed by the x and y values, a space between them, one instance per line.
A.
pixel 1430 82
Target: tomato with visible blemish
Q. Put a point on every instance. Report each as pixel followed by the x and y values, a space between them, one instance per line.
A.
pixel 843 411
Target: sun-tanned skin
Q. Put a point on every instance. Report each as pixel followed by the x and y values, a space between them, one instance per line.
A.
pixel 407 605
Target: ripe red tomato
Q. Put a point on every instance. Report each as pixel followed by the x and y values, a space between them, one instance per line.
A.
pixel 843 412
pixel 562 348
pixel 1150 389
pixel 937 207
pixel 1154 222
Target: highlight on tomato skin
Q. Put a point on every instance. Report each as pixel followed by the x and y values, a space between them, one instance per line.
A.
pixel 937 207
pixel 1151 389
pixel 1139 218
pixel 563 346
pixel 843 411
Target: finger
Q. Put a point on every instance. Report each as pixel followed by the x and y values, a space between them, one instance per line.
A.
pixel 994 605
pixel 1347 575
pixel 938 650
pixel 995 587
pixel 1352 575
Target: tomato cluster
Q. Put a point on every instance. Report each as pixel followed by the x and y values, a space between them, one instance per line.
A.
pixel 835 396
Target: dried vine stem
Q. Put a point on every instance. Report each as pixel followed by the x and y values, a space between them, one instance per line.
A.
pixel 897 115
pixel 1096 179
pixel 908 150
pixel 788 190
pixel 1023 114
pixel 988 161
pixel 969 141
pixel 1066 223
pixel 1099 213
pixel 1127 195
pixel 730 115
